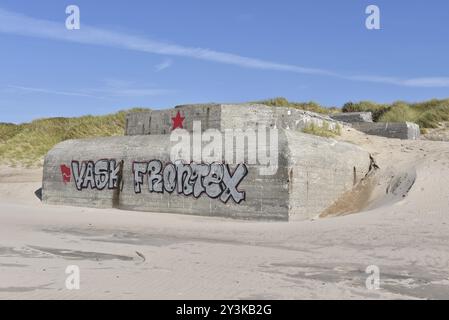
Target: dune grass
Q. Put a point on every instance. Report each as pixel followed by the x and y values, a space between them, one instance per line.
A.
pixel 427 114
pixel 377 109
pixel 26 144
pixel 308 106
pixel 322 131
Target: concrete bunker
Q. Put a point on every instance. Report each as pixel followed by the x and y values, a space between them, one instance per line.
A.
pixel 363 121
pixel 137 172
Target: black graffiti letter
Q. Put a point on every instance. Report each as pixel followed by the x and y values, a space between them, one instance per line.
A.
pixel 213 179
pixel 78 174
pixel 184 172
pixel 155 177
pixel 199 171
pixel 139 170
pixel 101 174
pixel 169 177
pixel 89 177
pixel 231 183
pixel 114 171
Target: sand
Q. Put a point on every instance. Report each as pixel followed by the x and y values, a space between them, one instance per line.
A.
pixel 402 227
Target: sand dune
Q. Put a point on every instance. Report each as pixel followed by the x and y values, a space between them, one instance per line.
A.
pixel 402 227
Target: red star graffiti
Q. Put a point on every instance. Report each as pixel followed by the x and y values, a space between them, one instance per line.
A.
pixel 66 173
pixel 177 121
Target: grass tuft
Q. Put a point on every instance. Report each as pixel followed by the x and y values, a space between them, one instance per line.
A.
pixel 322 131
pixel 26 144
pixel 427 114
pixel 307 106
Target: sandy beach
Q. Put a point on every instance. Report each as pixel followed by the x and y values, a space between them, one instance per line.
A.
pixel 403 229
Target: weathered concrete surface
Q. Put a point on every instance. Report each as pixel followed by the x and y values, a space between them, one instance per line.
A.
pixel 160 121
pixel 136 125
pixel 321 170
pixel 398 130
pixel 266 196
pixel 224 116
pixel 312 173
pixel 363 121
pixel 352 117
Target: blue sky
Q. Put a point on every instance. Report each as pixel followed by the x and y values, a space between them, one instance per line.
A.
pixel 159 54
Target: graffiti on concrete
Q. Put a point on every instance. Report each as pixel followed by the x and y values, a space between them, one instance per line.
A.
pixel 215 180
pixel 66 173
pixel 177 121
pixel 96 175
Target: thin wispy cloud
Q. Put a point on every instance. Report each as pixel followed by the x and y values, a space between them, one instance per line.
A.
pixel 424 82
pixel 106 92
pixel 167 63
pixel 428 82
pixel 135 92
pixel 18 24
pixel 50 91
